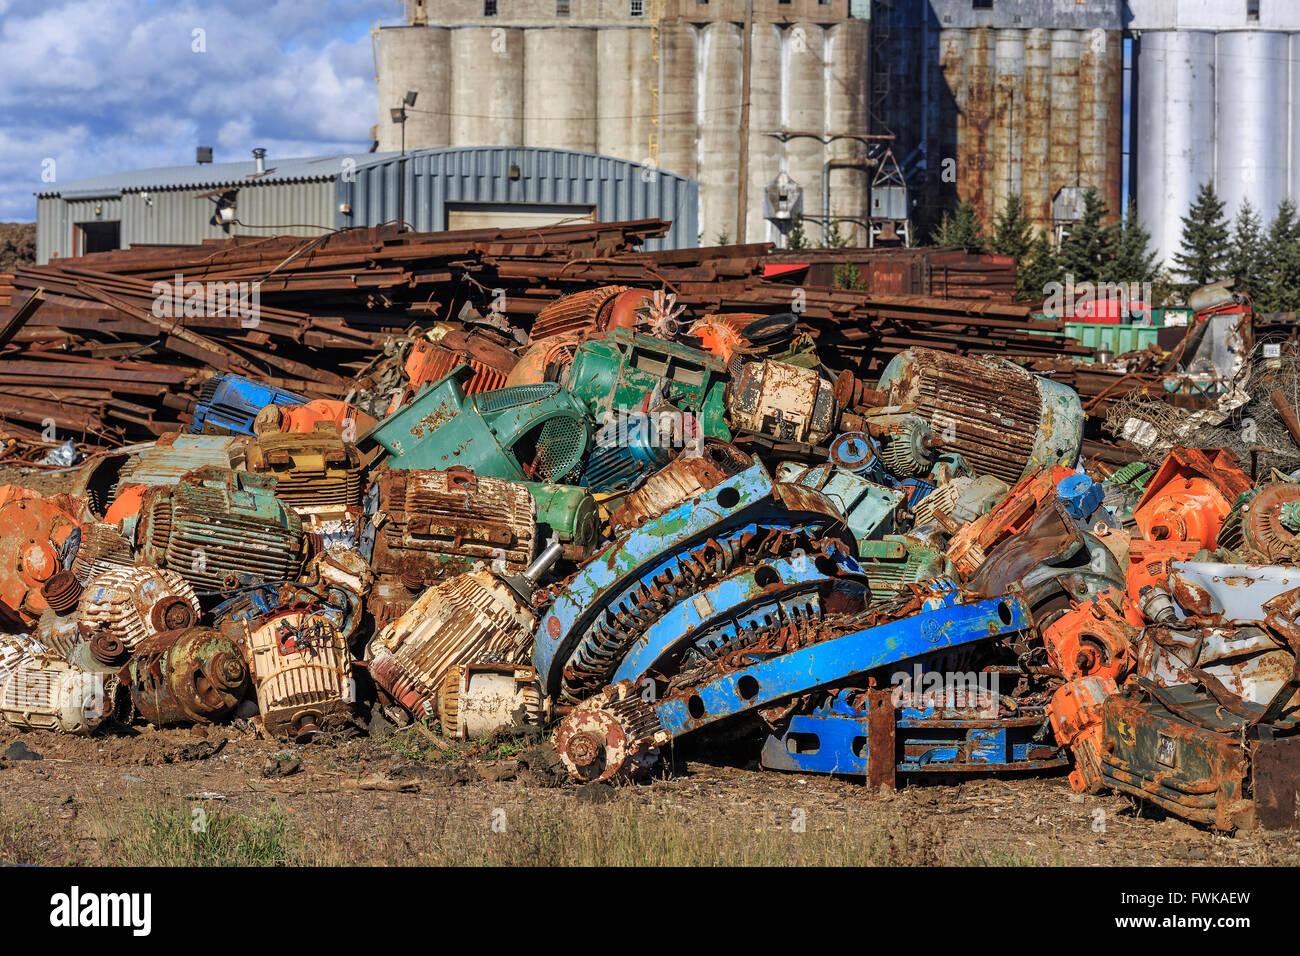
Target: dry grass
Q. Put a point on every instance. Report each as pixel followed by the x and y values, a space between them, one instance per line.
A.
pixel 626 831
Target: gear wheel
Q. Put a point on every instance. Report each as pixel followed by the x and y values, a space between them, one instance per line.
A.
pixel 614 732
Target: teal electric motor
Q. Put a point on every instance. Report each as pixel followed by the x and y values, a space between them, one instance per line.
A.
pixel 521 433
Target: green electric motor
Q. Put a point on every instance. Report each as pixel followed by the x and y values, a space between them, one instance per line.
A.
pixel 522 432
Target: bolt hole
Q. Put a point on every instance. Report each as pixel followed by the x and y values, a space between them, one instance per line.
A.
pixel 729 497
pixel 747 687
pixel 766 576
pixel 1004 612
pixel 695 707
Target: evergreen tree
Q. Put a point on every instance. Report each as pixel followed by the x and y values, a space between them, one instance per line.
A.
pixel 1036 270
pixel 1090 246
pixel 833 238
pixel 1246 254
pixel 961 229
pixel 1134 260
pixel 1280 279
pixel 1204 256
pixel 1013 232
pixel 795 238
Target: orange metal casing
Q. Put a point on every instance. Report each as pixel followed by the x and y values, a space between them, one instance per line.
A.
pixel 1190 495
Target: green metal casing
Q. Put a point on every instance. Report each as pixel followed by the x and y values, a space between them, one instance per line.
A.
pixel 621 370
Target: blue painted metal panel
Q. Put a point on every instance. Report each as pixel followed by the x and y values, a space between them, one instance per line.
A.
pixel 949 625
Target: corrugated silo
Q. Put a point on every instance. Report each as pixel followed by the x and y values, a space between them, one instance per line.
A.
pixel 1063 165
pixel 678 99
pixel 623 96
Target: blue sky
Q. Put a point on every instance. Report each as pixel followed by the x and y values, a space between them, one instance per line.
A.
pixel 101 86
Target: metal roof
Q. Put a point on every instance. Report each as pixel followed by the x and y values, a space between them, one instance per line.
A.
pixel 211 175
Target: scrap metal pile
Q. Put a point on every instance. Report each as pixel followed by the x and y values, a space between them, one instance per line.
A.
pixel 632 527
pixel 112 347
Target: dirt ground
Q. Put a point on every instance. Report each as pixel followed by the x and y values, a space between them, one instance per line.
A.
pixel 221 796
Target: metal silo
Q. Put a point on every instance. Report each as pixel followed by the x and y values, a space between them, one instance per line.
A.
pixel 1175 130
pixel 1009 119
pixel 559 76
pixel 487 86
pixel 1038 123
pixel 1253 93
pixel 1063 159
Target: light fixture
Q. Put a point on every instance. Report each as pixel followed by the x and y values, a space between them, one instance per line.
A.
pixel 398 113
pixel 409 98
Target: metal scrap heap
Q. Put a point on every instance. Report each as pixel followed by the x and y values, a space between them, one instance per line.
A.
pixel 646 511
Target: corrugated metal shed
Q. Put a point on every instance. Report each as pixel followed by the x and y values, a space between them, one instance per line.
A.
pixel 616 188
pixel 309 196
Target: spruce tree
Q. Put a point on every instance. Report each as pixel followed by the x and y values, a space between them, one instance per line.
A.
pixel 1036 270
pixel 1013 232
pixel 795 238
pixel 1246 253
pixel 1135 260
pixel 1204 255
pixel 1280 280
pixel 961 229
pixel 1090 246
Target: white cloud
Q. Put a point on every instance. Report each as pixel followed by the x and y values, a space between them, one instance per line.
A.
pixel 104 86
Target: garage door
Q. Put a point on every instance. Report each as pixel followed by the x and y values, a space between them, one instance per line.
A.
pixel 508 215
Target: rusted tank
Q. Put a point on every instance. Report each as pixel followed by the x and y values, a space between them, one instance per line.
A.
pixel 594 310
pixel 45 693
pixel 216 528
pixel 314 471
pixel 190 676
pixel 132 604
pixel 782 401
pixel 429 524
pixel 1003 420
pixel 478 699
pixel 680 480
pixel 302 672
pixel 40 535
pixel 469 618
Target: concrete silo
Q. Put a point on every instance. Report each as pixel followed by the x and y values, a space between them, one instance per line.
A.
pixel 658 82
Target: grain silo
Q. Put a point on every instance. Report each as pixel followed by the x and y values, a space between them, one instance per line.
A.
pixel 1007 97
pixel 1216 99
pixel 731 93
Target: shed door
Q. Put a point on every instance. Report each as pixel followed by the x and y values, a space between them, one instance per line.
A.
pixel 511 215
